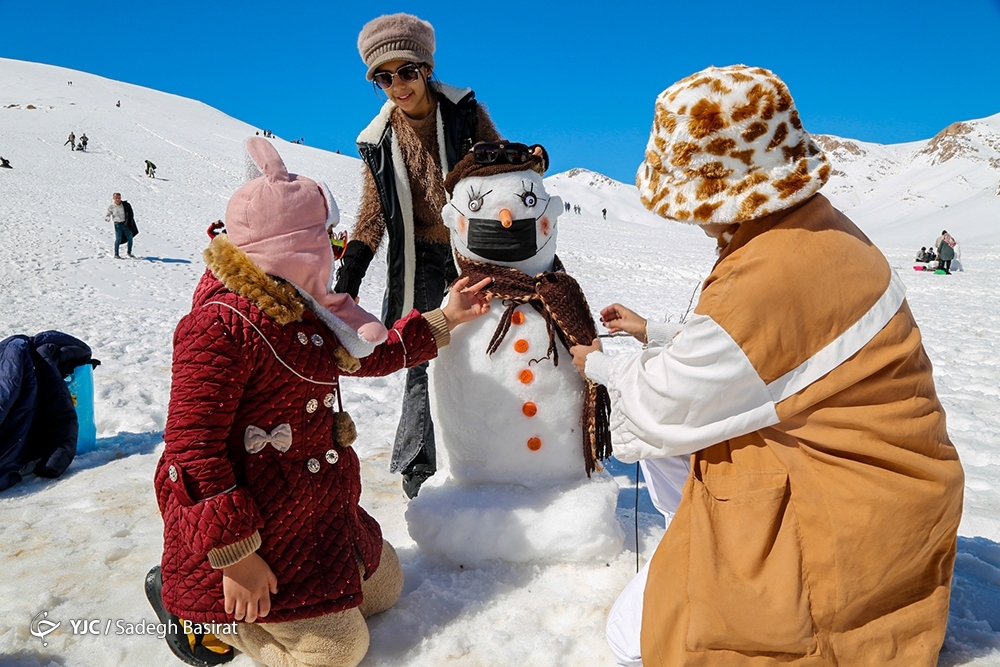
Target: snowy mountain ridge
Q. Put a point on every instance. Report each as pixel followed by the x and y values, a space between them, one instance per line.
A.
pixel 907 193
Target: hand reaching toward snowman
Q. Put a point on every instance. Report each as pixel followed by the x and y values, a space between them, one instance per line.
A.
pixel 615 318
pixel 466 302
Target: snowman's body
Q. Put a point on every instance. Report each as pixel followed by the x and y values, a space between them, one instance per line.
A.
pixel 513 416
pixel 509 424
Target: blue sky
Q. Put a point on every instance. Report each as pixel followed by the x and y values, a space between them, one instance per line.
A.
pixel 579 77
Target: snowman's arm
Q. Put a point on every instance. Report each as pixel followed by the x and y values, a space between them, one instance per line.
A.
pixel 412 340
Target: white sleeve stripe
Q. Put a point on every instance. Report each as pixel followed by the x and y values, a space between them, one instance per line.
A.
pixel 697 392
pixel 844 346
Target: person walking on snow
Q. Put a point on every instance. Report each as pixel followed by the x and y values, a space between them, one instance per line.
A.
pixel 150 169
pixel 818 523
pixel 604 212
pixel 258 484
pixel 71 141
pixel 422 131
pixel 120 212
pixel 83 142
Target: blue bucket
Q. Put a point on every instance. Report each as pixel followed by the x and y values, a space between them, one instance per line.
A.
pixel 81 388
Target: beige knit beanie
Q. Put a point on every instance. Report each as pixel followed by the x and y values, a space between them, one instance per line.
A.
pixel 727 146
pixel 396 37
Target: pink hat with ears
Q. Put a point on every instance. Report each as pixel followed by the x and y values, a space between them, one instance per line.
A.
pixel 280 221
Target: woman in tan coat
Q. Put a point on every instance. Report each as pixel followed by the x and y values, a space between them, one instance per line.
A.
pixel 818 524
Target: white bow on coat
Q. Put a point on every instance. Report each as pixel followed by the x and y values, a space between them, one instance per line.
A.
pixel 255 439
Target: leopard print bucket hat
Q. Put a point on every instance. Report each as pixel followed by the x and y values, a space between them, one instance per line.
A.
pixel 727 146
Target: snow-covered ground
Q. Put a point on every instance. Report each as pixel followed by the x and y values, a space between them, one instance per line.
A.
pixel 79 546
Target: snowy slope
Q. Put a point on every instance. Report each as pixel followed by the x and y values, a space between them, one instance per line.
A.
pixel 78 547
pixel 905 194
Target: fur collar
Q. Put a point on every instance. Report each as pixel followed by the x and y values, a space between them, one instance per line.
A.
pixel 373 133
pixel 280 300
pixel 237 272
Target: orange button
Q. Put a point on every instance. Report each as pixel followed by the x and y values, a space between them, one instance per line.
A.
pixel 517 318
pixel 534 444
pixel 526 376
pixel 529 409
pixel 521 345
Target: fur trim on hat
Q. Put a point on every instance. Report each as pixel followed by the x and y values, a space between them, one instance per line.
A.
pixel 727 146
pixel 396 37
pixel 468 166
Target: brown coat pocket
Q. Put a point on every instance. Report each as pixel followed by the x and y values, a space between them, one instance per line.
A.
pixel 745 582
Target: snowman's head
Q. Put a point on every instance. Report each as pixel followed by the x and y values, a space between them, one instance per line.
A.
pixel 499 212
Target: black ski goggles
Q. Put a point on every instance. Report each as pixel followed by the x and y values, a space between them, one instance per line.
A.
pixel 408 73
pixel 488 152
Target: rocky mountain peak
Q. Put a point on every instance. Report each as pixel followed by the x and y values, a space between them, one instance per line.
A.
pixel 953 141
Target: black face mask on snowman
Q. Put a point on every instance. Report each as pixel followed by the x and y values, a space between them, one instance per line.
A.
pixel 491 240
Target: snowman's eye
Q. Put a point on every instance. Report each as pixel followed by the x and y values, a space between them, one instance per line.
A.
pixel 528 199
pixel 476 199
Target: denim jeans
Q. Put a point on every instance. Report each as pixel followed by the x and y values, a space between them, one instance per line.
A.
pixel 414 443
pixel 122 234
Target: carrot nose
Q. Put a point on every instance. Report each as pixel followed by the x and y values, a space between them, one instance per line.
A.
pixel 505 218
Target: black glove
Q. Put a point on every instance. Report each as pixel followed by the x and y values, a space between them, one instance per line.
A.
pixel 353 266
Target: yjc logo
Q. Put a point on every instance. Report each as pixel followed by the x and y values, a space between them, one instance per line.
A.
pixel 40 626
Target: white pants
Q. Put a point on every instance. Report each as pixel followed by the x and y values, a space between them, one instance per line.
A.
pixel 665 479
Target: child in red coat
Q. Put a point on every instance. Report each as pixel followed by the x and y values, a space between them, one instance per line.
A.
pixel 265 544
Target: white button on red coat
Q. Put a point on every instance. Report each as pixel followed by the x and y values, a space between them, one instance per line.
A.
pixel 312 465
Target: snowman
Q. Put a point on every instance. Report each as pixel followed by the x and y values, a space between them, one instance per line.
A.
pixel 522 433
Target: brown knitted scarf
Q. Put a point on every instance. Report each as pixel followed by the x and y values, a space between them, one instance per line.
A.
pixel 559 300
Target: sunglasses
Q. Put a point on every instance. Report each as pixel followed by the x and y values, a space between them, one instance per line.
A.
pixel 407 74
pixel 486 152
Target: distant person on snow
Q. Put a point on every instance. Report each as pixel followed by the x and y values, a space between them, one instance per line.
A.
pixel 567 207
pixel 4 164
pixel 71 141
pixel 118 103
pixel 83 142
pixel 923 256
pixel 120 212
pixel 150 169
pixel 801 450
pixel 604 212
pixel 945 245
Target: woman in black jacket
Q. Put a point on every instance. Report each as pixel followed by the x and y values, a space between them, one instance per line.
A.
pixel 422 131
